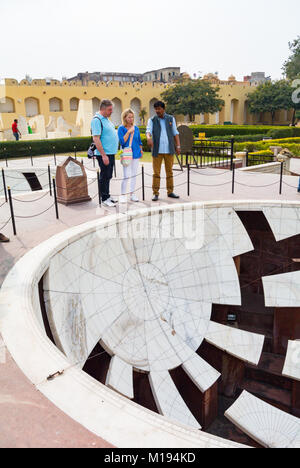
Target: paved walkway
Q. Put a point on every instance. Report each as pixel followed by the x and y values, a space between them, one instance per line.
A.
pixel 27 419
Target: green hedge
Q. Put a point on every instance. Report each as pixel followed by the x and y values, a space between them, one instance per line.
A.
pixel 12 149
pixel 227 131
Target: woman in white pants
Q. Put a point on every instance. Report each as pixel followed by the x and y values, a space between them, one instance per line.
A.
pixel 126 132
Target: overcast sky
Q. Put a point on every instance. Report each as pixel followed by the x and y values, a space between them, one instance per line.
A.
pixel 56 38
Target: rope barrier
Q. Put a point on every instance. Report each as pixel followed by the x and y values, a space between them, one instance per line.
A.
pixel 34 216
pixel 256 186
pixel 4 225
pixel 30 201
pixel 214 185
pixel 292 186
pixel 211 175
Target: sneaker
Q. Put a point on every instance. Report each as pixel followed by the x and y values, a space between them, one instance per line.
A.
pixel 109 203
pixel 113 200
pixel 123 199
pixel 155 198
pixel 134 198
pixel 3 238
pixel 172 195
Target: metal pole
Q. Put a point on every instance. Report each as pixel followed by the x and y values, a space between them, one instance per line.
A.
pixel 115 169
pixel 4 185
pixel 94 162
pixel 99 187
pixel 54 155
pixel 30 155
pixel 188 180
pixel 281 178
pixel 49 178
pixel 232 153
pixel 233 176
pixel 55 198
pixel 143 182
pixel 75 152
pixel 5 157
pixel 247 158
pixel 12 211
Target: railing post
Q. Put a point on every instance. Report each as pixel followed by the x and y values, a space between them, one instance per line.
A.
pixel 55 198
pixel 99 187
pixel 233 176
pixel 6 162
pixel 4 185
pixel 49 178
pixel 12 211
pixel 30 155
pixel 75 152
pixel 232 153
pixel 247 158
pixel 143 181
pixel 281 177
pixel 188 180
pixel 54 155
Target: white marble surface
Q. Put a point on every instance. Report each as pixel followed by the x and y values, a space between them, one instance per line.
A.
pixel 169 401
pixel 269 426
pixel 241 344
pixel 169 303
pixel 284 221
pixel 120 377
pixel 282 290
pixel 292 360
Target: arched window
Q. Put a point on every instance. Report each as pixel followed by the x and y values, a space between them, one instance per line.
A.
pixel 117 111
pixel 7 105
pixel 31 107
pixel 55 105
pixel 151 107
pixel 234 111
pixel 136 107
pixel 74 103
pixel 96 105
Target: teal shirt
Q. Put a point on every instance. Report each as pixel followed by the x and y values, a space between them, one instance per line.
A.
pixel 109 136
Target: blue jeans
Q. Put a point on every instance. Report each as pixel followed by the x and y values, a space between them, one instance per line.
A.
pixel 16 135
pixel 106 173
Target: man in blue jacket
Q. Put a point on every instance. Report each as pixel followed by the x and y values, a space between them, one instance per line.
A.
pixel 163 138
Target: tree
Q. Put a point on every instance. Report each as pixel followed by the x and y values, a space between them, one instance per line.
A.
pixel 271 97
pixel 292 66
pixel 192 97
pixel 142 115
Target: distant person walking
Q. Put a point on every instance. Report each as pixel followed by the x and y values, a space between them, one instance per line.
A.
pixel 163 138
pixel 106 141
pixel 15 130
pixel 129 135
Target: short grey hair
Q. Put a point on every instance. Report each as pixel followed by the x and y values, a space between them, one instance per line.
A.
pixel 105 103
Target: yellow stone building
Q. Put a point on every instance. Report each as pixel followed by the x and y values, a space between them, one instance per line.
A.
pixel 56 109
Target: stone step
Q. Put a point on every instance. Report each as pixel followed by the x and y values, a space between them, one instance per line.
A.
pixel 276 396
pixel 269 370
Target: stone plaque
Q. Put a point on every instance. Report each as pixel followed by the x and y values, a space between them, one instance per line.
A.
pixel 73 170
pixel 186 139
pixel 71 183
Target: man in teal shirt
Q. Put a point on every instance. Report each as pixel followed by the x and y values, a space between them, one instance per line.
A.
pixel 106 141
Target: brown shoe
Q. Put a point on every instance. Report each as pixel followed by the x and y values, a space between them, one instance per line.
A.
pixel 3 238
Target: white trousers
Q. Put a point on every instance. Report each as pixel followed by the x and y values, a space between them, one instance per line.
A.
pixel 129 173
